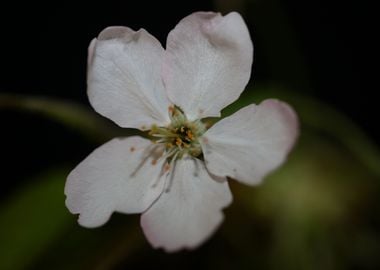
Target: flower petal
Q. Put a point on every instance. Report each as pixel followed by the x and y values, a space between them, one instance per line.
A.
pixel 190 212
pixel 207 62
pixel 252 142
pixel 124 78
pixel 120 175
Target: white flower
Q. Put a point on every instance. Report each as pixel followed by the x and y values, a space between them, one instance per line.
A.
pixel 179 181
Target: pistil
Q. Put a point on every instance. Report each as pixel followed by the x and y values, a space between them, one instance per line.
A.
pixel 181 137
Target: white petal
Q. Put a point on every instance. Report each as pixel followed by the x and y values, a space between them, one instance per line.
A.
pixel 118 176
pixel 124 78
pixel 252 142
pixel 190 212
pixel 207 62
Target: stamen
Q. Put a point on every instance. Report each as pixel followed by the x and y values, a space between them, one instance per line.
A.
pixel 178 142
pixel 180 137
pixel 172 164
pixel 164 169
pixel 189 134
pixel 148 153
pixel 169 153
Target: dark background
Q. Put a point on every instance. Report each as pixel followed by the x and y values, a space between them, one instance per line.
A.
pixel 321 49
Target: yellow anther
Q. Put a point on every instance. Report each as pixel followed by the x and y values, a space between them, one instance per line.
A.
pixel 166 167
pixel 178 141
pixel 179 138
pixel 189 134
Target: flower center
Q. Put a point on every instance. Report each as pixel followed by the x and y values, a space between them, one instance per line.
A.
pixel 180 137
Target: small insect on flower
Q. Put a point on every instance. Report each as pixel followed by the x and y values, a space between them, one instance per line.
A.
pixel 178 178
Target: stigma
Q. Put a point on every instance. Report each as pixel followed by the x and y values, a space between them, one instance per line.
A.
pixel 181 137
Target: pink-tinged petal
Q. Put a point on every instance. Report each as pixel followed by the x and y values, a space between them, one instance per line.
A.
pixel 207 63
pixel 124 78
pixel 90 55
pixel 122 175
pixel 252 142
pixel 186 215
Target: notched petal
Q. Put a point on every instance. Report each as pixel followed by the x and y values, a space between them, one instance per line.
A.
pixel 207 63
pixel 116 32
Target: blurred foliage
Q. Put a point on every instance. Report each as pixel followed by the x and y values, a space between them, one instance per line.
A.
pixel 31 220
pixel 74 116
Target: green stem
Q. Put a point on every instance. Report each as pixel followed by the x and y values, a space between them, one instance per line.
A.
pixel 70 114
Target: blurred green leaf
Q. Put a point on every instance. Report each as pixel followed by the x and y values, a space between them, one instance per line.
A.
pixel 105 247
pixel 38 232
pixel 72 115
pixel 32 219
